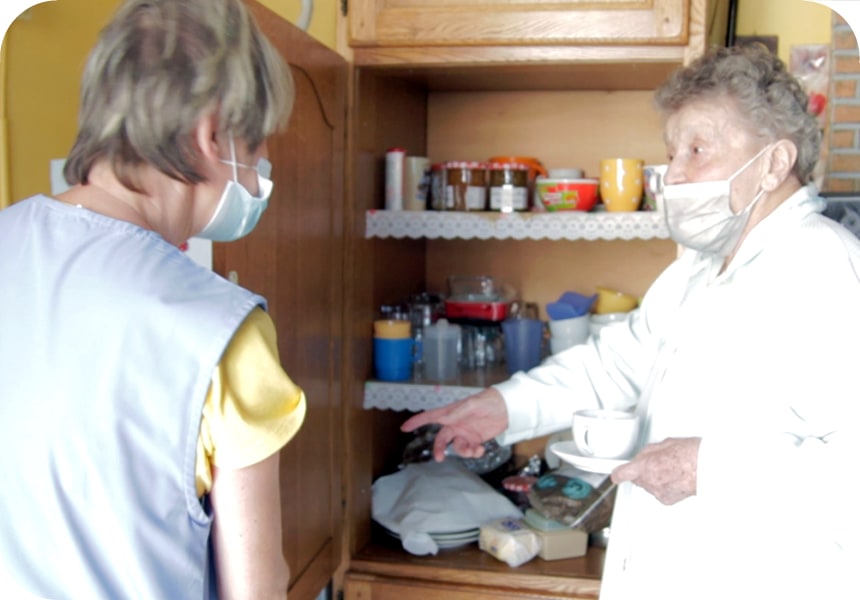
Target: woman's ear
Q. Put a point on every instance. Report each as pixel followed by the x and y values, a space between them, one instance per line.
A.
pixel 206 135
pixel 782 160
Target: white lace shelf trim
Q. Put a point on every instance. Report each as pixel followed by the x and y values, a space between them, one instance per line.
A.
pixel 569 225
pixel 412 396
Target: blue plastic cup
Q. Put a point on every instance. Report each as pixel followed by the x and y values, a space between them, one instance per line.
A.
pixel 523 343
pixel 392 358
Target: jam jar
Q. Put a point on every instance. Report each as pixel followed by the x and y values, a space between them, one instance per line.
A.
pixel 436 194
pixel 465 185
pixel 535 168
pixel 508 185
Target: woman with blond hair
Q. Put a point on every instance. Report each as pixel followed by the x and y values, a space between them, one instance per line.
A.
pixel 142 401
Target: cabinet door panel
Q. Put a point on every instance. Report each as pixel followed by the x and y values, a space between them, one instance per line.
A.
pixel 294 259
pixel 526 22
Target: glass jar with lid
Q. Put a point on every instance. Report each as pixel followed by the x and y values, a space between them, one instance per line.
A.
pixel 508 186
pixel 466 185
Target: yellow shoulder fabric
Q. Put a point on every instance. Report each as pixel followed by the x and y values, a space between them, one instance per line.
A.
pixel 252 408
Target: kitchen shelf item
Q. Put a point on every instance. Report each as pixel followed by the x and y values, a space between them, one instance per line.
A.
pixel 465 186
pixel 568 225
pixel 476 298
pixel 494 311
pixel 559 194
pixel 508 186
pixel 441 341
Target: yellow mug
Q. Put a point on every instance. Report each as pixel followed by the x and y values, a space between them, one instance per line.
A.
pixel 621 183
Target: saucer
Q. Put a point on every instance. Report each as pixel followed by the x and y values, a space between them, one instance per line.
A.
pixel 568 453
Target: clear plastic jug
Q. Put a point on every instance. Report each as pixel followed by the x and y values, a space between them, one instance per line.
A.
pixel 441 350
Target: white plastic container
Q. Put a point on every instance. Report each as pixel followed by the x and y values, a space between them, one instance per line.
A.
pixel 394 165
pixel 441 350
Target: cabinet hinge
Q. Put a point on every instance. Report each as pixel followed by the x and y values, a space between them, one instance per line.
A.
pixel 343 7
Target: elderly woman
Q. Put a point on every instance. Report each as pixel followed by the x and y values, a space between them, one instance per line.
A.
pixel 738 361
pixel 143 401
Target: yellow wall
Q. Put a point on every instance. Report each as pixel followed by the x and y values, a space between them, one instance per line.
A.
pixel 43 55
pixel 795 22
pixel 323 17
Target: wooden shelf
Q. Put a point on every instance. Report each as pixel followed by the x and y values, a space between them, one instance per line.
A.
pixel 573 577
pixel 571 225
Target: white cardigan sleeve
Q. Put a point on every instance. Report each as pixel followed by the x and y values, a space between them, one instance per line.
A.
pixel 608 370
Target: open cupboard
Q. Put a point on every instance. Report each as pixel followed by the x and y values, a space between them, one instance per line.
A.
pixel 326 263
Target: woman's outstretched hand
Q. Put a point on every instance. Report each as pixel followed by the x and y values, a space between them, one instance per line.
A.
pixel 466 424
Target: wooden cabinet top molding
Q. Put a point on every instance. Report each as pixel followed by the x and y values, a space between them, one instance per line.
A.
pixel 526 22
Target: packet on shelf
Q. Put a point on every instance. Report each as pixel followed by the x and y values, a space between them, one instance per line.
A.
pixel 509 540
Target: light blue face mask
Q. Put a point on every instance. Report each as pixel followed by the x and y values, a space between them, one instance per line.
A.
pixel 239 211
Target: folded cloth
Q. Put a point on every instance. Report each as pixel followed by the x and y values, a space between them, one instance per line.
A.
pixel 431 498
pixel 570 305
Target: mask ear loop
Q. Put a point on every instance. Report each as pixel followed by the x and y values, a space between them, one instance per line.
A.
pixel 750 161
pixel 233 157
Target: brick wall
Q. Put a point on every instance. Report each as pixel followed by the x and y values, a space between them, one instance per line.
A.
pixel 842 136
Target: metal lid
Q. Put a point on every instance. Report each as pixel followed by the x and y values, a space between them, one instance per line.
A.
pixel 508 166
pixel 465 164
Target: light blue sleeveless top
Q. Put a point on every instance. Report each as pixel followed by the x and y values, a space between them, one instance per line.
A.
pixel 108 340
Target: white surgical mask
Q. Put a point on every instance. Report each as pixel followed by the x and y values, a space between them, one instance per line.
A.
pixel 239 211
pixel 699 215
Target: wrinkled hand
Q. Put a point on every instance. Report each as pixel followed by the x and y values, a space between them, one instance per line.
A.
pixel 466 424
pixel 667 469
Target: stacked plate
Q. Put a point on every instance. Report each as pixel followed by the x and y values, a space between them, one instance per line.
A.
pixel 450 539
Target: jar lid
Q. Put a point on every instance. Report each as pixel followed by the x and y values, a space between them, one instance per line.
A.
pixel 465 164
pixel 500 166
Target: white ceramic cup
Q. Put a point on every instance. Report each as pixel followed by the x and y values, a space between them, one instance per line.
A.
pixel 575 327
pixel 598 322
pixel 561 343
pixel 605 433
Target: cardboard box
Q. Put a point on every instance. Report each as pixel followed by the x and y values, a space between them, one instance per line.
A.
pixel 561 543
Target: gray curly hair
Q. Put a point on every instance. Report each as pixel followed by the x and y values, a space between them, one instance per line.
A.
pixel 158 68
pixel 771 99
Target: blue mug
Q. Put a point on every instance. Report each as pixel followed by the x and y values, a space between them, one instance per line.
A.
pixel 392 358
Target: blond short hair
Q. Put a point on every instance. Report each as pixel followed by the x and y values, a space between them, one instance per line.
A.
pixel 158 68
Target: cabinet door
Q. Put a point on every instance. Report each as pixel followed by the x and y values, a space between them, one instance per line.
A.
pixel 525 22
pixel 294 259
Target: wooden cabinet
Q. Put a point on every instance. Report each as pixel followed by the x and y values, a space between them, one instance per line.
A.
pixel 570 106
pixel 527 22
pixel 294 258
pixel 495 32
pixel 325 276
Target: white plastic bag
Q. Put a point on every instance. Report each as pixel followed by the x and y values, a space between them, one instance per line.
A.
pixel 436 498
